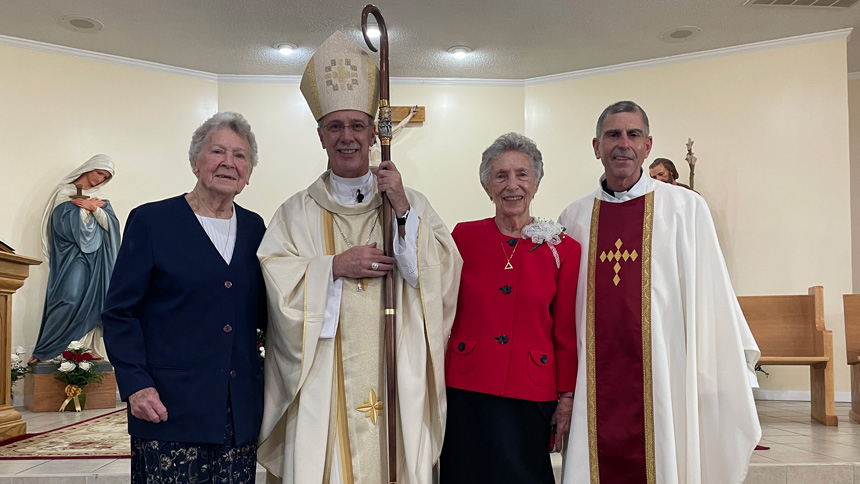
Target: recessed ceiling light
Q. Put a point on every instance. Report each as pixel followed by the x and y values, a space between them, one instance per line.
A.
pixel 76 23
pixel 373 31
pixel 285 48
pixel 460 51
pixel 680 34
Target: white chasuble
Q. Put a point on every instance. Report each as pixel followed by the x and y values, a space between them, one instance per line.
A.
pixel 302 439
pixel 683 343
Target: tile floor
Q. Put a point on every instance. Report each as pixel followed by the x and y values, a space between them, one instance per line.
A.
pixel 801 451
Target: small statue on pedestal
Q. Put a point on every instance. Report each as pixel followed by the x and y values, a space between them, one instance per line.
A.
pixel 80 240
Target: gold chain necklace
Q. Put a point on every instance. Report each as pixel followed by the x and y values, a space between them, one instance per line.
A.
pixel 358 283
pixel 508 265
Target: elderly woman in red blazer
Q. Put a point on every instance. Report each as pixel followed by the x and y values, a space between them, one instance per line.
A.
pixel 511 360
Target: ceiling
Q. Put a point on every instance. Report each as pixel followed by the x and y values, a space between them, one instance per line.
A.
pixel 511 39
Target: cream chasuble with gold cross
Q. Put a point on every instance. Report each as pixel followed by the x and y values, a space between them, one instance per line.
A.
pixel 663 391
pixel 323 394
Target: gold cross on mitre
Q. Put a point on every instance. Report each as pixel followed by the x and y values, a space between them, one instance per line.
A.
pixel 371 407
pixel 618 256
pixel 341 74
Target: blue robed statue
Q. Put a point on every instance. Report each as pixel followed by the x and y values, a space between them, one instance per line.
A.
pixel 80 240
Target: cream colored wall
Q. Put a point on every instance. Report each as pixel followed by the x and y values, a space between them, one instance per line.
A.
pixel 756 118
pixel 771 136
pixel 57 111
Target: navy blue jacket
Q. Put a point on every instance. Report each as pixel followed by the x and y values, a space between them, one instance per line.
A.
pixel 179 319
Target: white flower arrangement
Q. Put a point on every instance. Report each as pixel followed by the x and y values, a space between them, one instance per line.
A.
pixel 75 346
pixel 547 231
pixel 67 366
pixel 19 367
pixel 85 365
pixel 261 345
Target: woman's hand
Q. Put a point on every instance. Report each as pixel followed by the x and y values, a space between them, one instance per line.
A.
pixel 146 405
pixel 91 204
pixel 561 420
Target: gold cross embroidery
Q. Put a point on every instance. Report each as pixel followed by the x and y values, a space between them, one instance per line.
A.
pixel 371 407
pixel 341 72
pixel 618 256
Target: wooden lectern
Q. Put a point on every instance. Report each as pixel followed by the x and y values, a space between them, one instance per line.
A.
pixel 13 270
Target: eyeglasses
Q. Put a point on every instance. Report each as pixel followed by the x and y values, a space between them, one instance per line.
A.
pixel 355 127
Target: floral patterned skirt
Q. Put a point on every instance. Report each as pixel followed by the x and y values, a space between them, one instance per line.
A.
pixel 160 462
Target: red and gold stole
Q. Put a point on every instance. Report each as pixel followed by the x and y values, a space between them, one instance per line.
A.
pixel 618 342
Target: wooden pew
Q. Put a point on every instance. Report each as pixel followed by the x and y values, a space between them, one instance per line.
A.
pixel 851 304
pixel 790 330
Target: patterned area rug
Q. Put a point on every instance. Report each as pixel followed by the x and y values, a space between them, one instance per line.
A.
pixel 102 437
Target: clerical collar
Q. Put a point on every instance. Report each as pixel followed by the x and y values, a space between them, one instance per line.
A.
pixel 637 190
pixel 349 191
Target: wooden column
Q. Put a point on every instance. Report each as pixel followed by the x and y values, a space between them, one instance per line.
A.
pixel 13 270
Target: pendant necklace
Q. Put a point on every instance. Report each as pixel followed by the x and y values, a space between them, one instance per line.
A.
pixel 508 265
pixel 372 228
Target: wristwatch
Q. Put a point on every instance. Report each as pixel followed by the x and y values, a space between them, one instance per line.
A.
pixel 402 220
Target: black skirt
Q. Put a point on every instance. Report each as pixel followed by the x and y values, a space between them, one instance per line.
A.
pixel 492 439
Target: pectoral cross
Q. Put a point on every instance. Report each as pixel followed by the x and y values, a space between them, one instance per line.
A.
pixel 618 256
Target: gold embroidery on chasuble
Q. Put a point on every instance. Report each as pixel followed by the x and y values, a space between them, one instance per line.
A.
pixel 648 380
pixel 359 368
pixel 608 255
pixel 589 347
pixel 617 256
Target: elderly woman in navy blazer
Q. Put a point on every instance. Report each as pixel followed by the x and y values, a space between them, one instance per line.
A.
pixel 181 317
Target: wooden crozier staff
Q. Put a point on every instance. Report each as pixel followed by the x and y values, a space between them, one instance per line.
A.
pixel 384 127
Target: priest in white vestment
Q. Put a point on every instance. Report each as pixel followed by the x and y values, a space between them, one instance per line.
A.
pixel 665 355
pixel 325 411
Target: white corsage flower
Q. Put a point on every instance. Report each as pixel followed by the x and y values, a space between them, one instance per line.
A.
pixel 544 230
pixel 262 351
pixel 76 345
pixel 85 365
pixel 67 366
pixel 15 358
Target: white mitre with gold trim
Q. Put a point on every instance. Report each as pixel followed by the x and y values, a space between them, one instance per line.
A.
pixel 339 76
